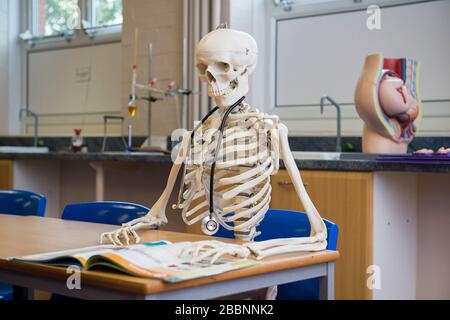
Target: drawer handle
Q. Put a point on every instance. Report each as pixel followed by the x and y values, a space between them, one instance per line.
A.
pixel 288 183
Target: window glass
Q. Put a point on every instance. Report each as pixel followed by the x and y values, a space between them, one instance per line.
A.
pixel 56 16
pixel 107 12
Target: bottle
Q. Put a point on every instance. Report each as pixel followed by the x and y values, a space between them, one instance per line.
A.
pixel 77 141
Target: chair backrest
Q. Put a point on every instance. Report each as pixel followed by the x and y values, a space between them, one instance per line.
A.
pixel 115 213
pixel 287 224
pixel 22 203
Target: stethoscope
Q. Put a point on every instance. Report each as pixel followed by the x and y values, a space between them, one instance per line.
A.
pixel 210 225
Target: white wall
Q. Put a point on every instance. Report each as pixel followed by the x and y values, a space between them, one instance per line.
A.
pixel 161 23
pixel 316 81
pixel 250 16
pixel 395 234
pixel 16 69
pixel 75 87
pixel 411 217
pixel 433 254
pixel 4 67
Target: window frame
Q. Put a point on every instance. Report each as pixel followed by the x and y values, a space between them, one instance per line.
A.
pixel 83 36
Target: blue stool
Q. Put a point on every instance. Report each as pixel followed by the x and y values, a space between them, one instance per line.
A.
pixel 19 203
pixel 289 224
pixel 115 213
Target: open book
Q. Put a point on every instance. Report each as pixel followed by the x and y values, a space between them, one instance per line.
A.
pixel 159 260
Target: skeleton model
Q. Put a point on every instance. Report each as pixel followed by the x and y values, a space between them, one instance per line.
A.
pixel 228 160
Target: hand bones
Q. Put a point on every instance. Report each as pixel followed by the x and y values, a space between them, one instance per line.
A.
pixel 128 230
pixel 213 250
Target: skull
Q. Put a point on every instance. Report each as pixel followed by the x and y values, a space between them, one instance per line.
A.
pixel 225 58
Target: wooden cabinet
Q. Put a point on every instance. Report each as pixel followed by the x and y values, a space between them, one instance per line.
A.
pixel 346 199
pixel 6 174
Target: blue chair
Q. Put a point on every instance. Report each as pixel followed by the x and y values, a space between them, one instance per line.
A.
pixel 22 203
pixel 289 224
pixel 19 203
pixel 115 213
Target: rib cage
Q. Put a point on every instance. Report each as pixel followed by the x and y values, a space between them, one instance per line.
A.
pixel 242 190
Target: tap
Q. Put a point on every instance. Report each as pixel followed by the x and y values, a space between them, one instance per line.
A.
pixel 29 113
pixel 338 110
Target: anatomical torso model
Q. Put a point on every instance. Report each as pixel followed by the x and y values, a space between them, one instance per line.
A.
pixel 387 100
pixel 227 161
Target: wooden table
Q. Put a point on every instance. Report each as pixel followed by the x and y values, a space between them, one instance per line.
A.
pixel 29 235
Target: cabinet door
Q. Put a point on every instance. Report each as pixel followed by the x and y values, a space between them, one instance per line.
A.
pixel 6 174
pixel 344 198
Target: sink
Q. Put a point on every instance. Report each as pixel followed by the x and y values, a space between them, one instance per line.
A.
pixel 23 150
pixel 306 155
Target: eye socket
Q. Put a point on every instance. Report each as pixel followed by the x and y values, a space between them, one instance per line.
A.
pixel 225 66
pixel 202 68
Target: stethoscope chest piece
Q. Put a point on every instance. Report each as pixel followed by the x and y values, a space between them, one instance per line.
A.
pixel 210 226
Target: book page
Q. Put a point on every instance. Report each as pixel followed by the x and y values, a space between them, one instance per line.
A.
pixel 165 262
pixel 160 260
pixel 81 255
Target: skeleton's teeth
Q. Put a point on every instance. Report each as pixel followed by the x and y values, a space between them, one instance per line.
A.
pixel 216 93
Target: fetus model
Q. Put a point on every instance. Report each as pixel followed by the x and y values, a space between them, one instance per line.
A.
pixel 387 100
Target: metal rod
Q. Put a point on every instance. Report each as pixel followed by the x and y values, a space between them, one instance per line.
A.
pixel 29 113
pixel 130 137
pixel 184 98
pixel 338 110
pixel 36 130
pixel 150 60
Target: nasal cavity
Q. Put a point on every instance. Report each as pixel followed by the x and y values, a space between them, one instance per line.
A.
pixel 211 78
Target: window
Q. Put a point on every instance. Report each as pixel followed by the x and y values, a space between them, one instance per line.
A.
pixel 57 17
pixel 106 12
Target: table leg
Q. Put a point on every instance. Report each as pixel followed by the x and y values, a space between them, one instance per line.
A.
pixel 99 181
pixel 21 293
pixel 327 283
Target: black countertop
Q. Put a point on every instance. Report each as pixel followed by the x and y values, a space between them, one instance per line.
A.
pixel 363 165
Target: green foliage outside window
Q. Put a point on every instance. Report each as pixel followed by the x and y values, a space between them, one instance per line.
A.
pixel 107 12
pixel 58 16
